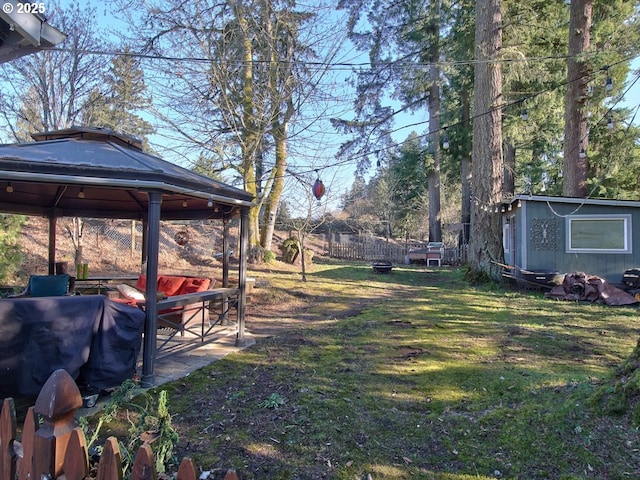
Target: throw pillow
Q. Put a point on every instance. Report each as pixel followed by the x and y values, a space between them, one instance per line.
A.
pixel 127 291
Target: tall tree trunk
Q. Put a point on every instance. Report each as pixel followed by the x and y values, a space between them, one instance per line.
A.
pixel 271 202
pixel 509 168
pixel 435 221
pixel 249 134
pixel 576 140
pixel 465 171
pixel 485 247
pixel 280 82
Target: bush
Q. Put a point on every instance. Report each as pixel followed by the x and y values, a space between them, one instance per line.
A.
pixel 290 250
pixel 10 255
pixel 269 256
pixel 148 421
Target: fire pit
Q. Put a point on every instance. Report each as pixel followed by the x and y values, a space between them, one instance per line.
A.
pixel 382 266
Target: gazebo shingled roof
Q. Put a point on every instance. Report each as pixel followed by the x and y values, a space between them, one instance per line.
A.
pixel 98 173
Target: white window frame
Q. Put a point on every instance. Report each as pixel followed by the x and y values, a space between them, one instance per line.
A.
pixel 626 233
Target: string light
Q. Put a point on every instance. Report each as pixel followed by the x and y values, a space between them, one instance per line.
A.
pixel 9 188
pixel 582 153
pixel 184 203
pixel 210 202
pixel 445 142
pixel 609 122
pixel 525 115
pixel 81 193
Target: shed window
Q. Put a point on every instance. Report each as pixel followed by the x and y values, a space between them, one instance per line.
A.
pixel 602 233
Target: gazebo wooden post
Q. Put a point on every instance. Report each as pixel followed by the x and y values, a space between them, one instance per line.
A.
pixel 242 273
pixel 151 306
pixel 52 244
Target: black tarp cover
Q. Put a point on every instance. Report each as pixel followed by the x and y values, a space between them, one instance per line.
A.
pixel 93 338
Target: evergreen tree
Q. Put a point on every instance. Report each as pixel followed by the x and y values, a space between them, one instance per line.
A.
pixel 123 94
pixel 485 247
pixel 409 170
pixel 576 139
pixel 404 46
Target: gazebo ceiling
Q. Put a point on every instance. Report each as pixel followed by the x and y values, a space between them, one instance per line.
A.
pixel 92 172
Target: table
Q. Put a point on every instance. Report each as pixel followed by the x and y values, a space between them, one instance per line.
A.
pixel 89 284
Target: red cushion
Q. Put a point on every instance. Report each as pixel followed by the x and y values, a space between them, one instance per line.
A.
pixel 170 285
pixel 192 285
pixel 141 284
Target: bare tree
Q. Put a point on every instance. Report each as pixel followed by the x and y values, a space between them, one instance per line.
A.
pixel 314 216
pixel 242 81
pixel 48 90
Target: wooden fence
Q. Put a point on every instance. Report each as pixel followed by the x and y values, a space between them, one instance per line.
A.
pixel 368 251
pixel 391 252
pixel 53 445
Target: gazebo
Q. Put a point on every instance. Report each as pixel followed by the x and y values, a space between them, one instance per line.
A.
pixel 98 173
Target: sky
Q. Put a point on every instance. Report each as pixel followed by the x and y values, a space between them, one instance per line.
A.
pixel 321 141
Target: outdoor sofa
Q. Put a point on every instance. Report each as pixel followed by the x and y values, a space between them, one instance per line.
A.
pixel 170 286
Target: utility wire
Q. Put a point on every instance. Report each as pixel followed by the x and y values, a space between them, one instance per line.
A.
pixel 499 107
pixel 352 65
pixel 331 66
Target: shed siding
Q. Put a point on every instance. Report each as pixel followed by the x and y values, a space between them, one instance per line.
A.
pixel 545 247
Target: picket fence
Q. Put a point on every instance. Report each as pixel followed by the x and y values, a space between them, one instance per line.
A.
pixel 53 445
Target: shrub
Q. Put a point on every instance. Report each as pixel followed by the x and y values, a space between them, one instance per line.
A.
pixel 290 249
pixel 269 256
pixel 10 255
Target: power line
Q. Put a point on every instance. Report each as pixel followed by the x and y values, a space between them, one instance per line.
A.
pixel 353 65
pixel 504 106
pixel 403 65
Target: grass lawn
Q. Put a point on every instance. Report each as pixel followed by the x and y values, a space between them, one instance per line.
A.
pixel 413 375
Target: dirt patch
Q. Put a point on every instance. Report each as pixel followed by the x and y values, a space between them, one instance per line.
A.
pixel 407 351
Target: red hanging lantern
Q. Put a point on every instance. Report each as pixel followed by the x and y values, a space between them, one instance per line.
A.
pixel 318 189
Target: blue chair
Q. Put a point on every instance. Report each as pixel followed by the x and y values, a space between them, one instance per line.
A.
pixel 46 286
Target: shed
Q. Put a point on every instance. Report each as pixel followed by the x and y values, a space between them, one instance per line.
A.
pixel 99 173
pixel 596 236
